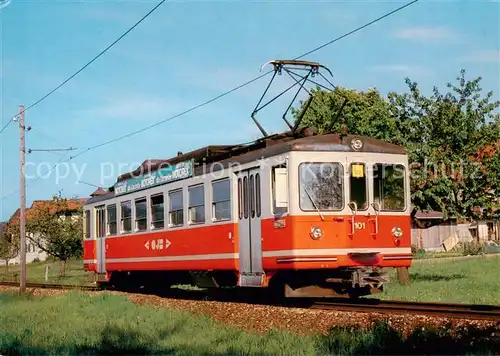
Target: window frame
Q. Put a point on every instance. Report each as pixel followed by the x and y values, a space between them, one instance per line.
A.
pixel 122 218
pixel 246 204
pixel 170 193
pixel 88 226
pixel 190 188
pixel 108 222
pixel 343 187
pixel 151 205
pixel 215 202
pixel 279 211
pixel 240 198
pixel 258 195
pixel 405 189
pixel 100 226
pixel 367 182
pixel 136 220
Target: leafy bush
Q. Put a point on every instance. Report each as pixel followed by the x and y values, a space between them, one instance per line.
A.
pixel 469 248
pixel 417 252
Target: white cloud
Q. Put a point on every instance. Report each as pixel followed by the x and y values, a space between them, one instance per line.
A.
pixel 426 33
pixel 485 56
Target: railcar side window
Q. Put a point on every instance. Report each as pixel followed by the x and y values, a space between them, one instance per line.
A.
pixel 157 212
pixel 111 218
pixel 245 197
pixel 221 200
pixel 389 186
pixel 257 194
pixel 240 198
pixel 87 232
pixel 196 204
pixel 100 221
pixel 358 188
pixel 176 215
pixel 126 216
pixel 251 186
pixel 141 215
pixel 321 186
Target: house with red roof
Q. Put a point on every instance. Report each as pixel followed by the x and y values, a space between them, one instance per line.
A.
pixel 72 207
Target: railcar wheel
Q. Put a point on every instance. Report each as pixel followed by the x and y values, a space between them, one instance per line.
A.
pixel 275 292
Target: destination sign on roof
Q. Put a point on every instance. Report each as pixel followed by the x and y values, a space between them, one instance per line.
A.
pixel 168 174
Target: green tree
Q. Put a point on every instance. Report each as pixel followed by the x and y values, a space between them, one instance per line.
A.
pixel 357 112
pixel 452 139
pixel 56 228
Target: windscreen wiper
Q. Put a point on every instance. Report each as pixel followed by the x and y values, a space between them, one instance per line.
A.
pixel 314 204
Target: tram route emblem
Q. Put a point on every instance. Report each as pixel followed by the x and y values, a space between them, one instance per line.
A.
pixel 356 144
pixel 157 244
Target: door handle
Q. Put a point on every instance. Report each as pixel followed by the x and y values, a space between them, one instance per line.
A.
pixel 376 207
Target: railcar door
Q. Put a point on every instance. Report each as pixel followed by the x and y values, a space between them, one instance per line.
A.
pixel 249 231
pixel 100 239
pixel 360 229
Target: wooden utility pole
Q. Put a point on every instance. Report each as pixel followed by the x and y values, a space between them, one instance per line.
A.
pixel 22 210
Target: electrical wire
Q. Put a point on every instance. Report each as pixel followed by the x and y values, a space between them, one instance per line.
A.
pixel 88 63
pixel 6 125
pixel 250 81
pixel 357 29
pixel 221 95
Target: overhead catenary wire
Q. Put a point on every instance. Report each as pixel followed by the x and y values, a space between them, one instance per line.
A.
pixel 250 81
pixel 88 63
pixel 223 94
pixel 357 29
pixel 6 125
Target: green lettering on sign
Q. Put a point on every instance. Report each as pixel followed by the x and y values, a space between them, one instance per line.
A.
pixel 168 174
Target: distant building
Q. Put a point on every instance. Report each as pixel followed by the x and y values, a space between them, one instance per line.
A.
pixel 33 252
pixel 431 232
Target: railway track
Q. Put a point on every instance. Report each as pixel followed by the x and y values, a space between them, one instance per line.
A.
pixel 363 305
pixel 52 286
pixel 447 310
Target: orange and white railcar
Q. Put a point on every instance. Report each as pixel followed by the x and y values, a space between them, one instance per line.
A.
pixel 321 214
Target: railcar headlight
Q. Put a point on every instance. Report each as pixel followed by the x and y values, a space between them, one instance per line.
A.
pixel 316 232
pixel 397 232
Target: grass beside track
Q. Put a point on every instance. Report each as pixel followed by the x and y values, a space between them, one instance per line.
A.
pixel 466 280
pixel 35 273
pixel 78 323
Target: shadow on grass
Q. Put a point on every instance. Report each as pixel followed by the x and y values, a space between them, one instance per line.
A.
pixel 119 341
pixel 385 340
pixel 420 277
pixel 13 297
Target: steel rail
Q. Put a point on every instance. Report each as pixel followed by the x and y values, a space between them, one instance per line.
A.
pixel 446 310
pixel 52 286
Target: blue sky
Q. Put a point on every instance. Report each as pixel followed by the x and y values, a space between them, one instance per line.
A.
pixel 189 51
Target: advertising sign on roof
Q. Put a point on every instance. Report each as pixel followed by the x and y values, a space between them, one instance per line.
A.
pixel 168 174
